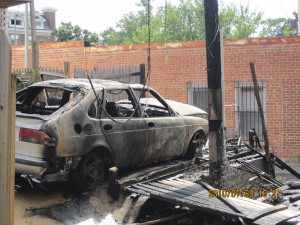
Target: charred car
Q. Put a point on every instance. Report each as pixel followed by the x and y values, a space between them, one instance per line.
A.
pixel 75 129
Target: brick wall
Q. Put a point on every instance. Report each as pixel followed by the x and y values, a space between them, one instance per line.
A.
pixel 174 65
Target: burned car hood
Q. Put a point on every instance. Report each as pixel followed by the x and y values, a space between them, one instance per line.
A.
pixel 180 108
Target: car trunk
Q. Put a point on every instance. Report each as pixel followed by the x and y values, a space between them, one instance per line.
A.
pixel 27 145
pixel 28 148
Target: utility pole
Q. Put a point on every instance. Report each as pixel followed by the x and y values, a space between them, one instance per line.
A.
pixel 298 18
pixel 217 154
pixel 35 45
pixel 26 37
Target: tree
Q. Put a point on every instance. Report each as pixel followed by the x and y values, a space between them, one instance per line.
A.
pixel 240 22
pixel 281 27
pixel 68 32
pixel 184 22
pixel 125 27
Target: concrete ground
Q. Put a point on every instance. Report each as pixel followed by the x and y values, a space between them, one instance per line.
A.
pixel 60 205
pixel 284 175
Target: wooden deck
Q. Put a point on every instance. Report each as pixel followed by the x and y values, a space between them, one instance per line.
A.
pixel 196 196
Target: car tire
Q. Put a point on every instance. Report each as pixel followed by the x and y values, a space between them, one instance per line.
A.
pixel 198 140
pixel 90 173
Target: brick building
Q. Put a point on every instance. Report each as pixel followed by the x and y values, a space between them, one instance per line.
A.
pixel 45 24
pixel 179 73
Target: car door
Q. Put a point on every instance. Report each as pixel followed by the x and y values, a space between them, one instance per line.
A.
pixel 166 131
pixel 123 127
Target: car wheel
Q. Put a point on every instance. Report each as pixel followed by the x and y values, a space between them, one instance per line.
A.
pixel 90 173
pixel 196 143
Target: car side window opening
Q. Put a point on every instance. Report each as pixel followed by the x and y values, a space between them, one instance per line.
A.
pixel 120 103
pixel 43 100
pixel 95 108
pixel 152 105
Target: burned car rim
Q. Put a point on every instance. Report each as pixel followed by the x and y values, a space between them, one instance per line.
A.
pixel 90 173
pixel 93 169
pixel 198 141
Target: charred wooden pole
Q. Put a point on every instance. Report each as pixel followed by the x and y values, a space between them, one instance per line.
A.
pixel 217 154
pixel 270 165
pixel 35 44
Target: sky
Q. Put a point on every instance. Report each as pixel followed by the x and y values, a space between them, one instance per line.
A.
pixel 98 15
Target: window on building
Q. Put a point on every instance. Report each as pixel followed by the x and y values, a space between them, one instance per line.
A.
pixel 14 39
pixel 16 22
pixel 198 95
pixel 246 110
pixel 39 25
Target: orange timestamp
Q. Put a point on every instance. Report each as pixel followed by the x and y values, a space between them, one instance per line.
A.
pixel 248 193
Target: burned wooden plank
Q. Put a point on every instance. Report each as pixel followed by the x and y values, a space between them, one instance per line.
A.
pixel 224 200
pixel 209 206
pixel 194 196
pixel 276 218
pixel 294 198
pixel 166 219
pixel 154 173
pixel 265 212
pixel 259 153
pixel 271 170
pixel 269 196
pixel 285 166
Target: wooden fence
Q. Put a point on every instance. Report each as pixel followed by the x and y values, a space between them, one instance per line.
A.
pixel 128 73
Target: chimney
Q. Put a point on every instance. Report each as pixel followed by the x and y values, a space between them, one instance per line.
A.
pixel 49 15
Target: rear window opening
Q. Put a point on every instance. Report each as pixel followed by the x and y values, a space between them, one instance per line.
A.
pixel 43 100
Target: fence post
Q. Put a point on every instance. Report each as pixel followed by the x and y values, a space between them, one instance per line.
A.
pixel 143 78
pixel 67 68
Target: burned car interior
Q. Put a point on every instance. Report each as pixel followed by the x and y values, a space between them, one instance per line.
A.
pixel 43 100
pixel 119 103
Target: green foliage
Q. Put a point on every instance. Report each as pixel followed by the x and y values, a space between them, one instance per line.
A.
pixel 240 22
pixel 281 27
pixel 68 32
pixel 183 22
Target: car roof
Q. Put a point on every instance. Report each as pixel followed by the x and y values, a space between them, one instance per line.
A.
pixel 84 83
